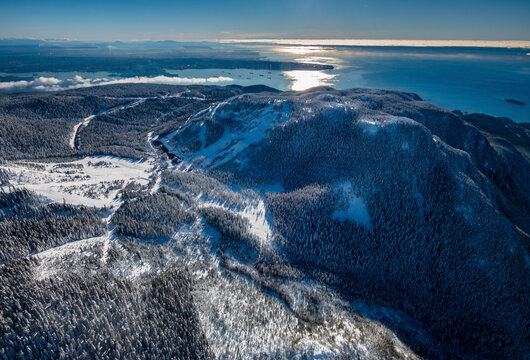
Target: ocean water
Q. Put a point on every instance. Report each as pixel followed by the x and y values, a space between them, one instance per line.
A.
pixel 467 79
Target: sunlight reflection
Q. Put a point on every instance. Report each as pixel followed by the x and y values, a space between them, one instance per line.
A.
pixel 306 79
pixel 318 60
pixel 300 50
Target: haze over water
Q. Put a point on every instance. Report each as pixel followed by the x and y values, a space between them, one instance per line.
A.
pixel 469 79
pixel 475 78
pixel 468 76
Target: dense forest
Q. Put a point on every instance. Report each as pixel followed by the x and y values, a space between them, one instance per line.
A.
pixel 249 223
pixel 39 126
pixel 151 216
pixel 446 209
pixel 98 316
pixel 27 226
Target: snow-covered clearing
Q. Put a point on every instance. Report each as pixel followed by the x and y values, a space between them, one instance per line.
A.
pixel 52 260
pixel 88 255
pixel 241 131
pixel 350 206
pixel 156 185
pixel 254 212
pixel 91 181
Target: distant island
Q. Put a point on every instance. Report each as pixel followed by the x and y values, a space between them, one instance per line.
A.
pixel 516 102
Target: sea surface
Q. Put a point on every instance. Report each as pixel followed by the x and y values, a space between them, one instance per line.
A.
pixel 467 79
pixel 470 79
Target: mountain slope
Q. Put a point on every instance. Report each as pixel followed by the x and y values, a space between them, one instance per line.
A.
pixel 397 201
pixel 249 223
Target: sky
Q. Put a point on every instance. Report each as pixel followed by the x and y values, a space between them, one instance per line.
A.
pixel 129 20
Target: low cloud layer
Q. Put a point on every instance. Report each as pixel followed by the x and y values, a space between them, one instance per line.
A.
pixel 55 84
pixel 37 83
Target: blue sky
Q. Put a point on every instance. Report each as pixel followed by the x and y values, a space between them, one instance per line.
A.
pixel 213 19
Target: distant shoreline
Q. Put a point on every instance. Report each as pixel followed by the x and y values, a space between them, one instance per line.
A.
pixel 196 44
pixel 507 44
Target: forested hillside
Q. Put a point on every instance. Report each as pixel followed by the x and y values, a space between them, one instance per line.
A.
pixel 191 222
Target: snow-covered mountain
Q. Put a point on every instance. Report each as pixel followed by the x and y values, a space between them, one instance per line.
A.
pixel 255 224
pixel 410 204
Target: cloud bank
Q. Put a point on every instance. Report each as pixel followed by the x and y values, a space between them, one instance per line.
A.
pixel 37 83
pixel 55 84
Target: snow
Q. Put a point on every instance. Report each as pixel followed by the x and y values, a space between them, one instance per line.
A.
pixel 250 129
pixel 83 122
pixel 369 126
pixel 139 269
pixel 86 121
pixel 88 185
pixel 240 317
pixel 255 213
pixel 351 207
pixel 51 259
pixel 259 225
pixel 69 248
pixel 156 186
pixel 76 255
pixel 250 205
pixel 373 123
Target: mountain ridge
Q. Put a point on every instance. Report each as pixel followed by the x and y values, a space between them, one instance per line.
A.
pixel 327 216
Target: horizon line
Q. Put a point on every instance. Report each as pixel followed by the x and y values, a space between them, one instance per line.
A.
pixel 388 42
pixel 510 44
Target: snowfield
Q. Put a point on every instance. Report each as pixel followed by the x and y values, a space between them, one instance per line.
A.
pixel 240 130
pixel 91 181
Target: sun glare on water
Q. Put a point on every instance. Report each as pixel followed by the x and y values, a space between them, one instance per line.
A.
pixel 300 50
pixel 306 79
